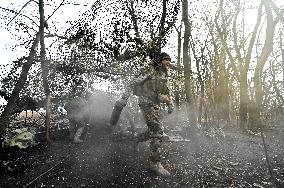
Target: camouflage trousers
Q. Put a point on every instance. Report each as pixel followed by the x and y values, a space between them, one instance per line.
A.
pixel 74 125
pixel 152 115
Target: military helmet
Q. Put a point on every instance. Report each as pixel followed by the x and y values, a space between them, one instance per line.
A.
pixel 163 56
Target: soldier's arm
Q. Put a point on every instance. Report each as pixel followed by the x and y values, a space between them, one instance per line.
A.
pixel 167 99
pixel 125 96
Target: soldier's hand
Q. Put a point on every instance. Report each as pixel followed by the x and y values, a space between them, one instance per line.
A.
pixel 165 99
pixel 170 109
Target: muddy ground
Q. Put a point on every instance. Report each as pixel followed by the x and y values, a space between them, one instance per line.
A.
pixel 233 160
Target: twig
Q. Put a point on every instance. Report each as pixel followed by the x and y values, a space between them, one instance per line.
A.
pixel 19 11
pixel 55 35
pixel 15 12
pixel 55 10
pixel 42 175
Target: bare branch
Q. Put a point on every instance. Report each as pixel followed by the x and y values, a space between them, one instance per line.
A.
pixel 133 18
pixel 278 11
pixel 55 35
pixel 222 34
pixel 19 11
pixel 55 10
pixel 253 37
pixel 237 47
pixel 15 12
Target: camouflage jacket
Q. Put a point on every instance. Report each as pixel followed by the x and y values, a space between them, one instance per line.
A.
pixel 151 86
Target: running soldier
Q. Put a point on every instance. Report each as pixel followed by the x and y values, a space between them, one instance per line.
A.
pixel 152 89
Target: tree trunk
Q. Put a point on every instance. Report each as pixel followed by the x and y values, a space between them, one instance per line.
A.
pixel 282 54
pixel 5 116
pixel 177 88
pixel 222 90
pixel 187 64
pixel 241 69
pixel 266 50
pixel 44 67
pixel 201 69
pixel 162 27
pixel 202 91
pixel 243 109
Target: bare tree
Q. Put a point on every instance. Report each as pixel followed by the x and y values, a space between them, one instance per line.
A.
pixel 187 63
pixel 44 68
pixel 261 60
pixel 20 83
pixel 177 86
pixel 5 116
pixel 243 59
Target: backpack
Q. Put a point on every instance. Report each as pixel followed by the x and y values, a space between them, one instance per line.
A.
pixel 138 86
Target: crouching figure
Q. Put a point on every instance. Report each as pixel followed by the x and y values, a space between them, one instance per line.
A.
pixel 78 118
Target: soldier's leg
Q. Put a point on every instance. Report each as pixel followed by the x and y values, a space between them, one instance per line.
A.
pixel 141 137
pixel 153 120
pixel 145 136
pixel 152 117
pixel 72 128
pixel 77 137
pixel 79 131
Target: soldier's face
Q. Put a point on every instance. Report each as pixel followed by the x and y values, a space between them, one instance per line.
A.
pixel 166 64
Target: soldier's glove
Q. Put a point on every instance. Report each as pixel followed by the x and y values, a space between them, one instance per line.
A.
pixel 164 99
pixel 170 109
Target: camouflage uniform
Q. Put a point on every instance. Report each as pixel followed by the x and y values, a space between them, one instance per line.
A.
pixel 77 117
pixel 153 90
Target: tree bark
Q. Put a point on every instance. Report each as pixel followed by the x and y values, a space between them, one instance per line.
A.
pixel 201 98
pixel 201 67
pixel 187 64
pixel 222 88
pixel 282 55
pixel 44 67
pixel 262 59
pixel 162 27
pixel 243 109
pixel 5 116
pixel 177 88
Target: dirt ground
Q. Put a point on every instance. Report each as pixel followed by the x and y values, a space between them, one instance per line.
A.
pixel 232 159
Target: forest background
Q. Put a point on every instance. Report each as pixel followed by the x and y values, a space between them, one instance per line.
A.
pixel 228 55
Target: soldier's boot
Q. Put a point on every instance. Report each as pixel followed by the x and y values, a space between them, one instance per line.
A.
pixel 135 144
pixel 158 169
pixel 71 134
pixel 78 134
